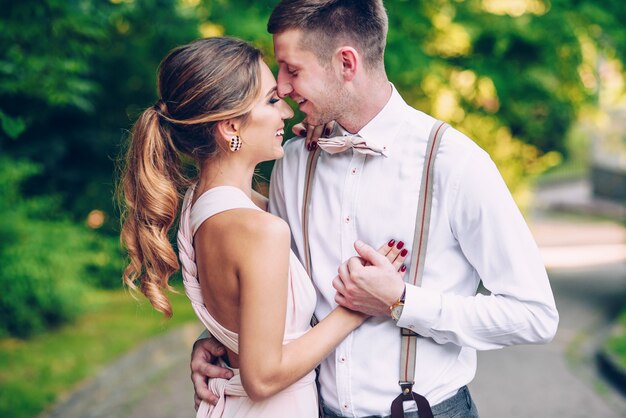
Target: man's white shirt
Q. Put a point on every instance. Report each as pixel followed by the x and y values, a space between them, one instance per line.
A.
pixel 476 233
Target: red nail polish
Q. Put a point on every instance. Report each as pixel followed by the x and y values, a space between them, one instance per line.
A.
pixel 391 242
pixel 309 146
pixel 400 245
pixel 303 132
pixel 314 145
pixel 403 268
pixel 404 252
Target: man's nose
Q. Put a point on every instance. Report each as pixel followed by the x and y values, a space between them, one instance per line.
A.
pixel 283 85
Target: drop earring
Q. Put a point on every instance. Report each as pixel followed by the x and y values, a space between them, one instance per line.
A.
pixel 235 143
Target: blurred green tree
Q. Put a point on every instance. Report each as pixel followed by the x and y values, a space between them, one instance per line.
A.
pixel 513 74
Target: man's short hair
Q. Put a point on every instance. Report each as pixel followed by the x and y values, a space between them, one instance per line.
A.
pixel 325 24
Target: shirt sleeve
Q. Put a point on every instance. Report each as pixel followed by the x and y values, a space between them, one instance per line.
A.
pixel 496 241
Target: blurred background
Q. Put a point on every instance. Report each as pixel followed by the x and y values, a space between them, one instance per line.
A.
pixel 539 84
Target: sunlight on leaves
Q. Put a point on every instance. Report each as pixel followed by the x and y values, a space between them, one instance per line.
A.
pixel 515 8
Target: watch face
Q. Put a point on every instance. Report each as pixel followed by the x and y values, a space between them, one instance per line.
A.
pixel 397 311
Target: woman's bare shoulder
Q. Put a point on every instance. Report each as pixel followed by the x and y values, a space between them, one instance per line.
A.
pixel 245 227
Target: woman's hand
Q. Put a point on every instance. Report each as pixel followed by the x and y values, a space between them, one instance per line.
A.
pixel 312 133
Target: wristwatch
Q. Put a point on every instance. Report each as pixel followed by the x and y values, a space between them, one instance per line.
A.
pixel 396 308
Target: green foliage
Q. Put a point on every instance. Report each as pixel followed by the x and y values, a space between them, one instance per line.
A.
pixel 74 75
pixel 616 343
pixel 44 258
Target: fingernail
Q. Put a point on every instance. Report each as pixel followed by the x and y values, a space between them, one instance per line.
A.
pixel 358 243
pixel 302 132
pixel 400 245
pixel 314 145
pixel 403 268
pixel 404 252
pixel 326 131
pixel 308 146
pixel 391 242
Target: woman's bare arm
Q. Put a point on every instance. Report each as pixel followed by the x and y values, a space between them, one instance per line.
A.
pixel 266 365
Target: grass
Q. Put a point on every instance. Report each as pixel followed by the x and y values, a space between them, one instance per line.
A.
pixel 34 372
pixel 616 343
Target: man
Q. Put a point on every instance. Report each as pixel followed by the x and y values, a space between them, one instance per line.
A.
pixel 330 56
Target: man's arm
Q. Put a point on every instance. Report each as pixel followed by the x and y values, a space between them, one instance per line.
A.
pixel 497 242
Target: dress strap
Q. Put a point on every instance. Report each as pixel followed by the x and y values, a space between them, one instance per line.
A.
pixel 214 201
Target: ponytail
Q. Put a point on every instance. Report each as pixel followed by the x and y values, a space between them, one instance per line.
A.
pixel 150 186
pixel 201 83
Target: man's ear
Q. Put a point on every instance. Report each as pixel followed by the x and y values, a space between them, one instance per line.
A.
pixel 350 60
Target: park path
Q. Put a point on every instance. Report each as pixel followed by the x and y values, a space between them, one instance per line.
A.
pixel 586 264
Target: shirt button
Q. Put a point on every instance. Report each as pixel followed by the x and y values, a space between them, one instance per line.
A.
pixel 347 219
pixel 342 359
pixel 354 170
pixel 345 405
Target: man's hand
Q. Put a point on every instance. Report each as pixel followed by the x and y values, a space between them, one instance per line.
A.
pixel 372 282
pixel 204 353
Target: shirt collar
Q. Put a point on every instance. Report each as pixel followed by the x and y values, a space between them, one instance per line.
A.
pixel 383 127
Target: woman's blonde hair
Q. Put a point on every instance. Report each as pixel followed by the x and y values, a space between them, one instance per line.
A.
pixel 199 84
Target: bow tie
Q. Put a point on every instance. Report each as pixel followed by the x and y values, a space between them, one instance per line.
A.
pixel 336 144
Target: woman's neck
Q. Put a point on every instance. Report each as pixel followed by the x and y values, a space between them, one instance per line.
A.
pixel 225 172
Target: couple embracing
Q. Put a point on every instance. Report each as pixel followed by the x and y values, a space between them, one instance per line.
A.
pixel 386 175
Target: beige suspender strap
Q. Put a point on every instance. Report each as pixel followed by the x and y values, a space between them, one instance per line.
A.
pixel 311 163
pixel 422 222
pixel 418 256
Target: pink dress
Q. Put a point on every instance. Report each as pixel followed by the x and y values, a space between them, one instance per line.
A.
pixel 299 399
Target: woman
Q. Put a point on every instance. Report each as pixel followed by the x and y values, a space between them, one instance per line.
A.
pixel 218 106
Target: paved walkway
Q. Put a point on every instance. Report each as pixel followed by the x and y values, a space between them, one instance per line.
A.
pixel 585 260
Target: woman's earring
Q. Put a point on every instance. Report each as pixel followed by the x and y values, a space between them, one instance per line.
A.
pixel 235 143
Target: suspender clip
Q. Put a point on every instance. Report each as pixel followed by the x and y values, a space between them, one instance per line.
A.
pixel 405 332
pixel 407 387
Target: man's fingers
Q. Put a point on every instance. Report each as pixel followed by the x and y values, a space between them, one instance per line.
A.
pixel 201 388
pixel 199 375
pixel 338 285
pixel 368 254
pixel 206 349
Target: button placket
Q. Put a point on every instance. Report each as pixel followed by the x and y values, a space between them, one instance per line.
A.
pixel 348 204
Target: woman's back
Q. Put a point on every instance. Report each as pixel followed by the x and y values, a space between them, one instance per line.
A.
pixel 217 224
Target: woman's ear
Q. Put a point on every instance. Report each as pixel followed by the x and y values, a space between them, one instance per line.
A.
pixel 226 129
